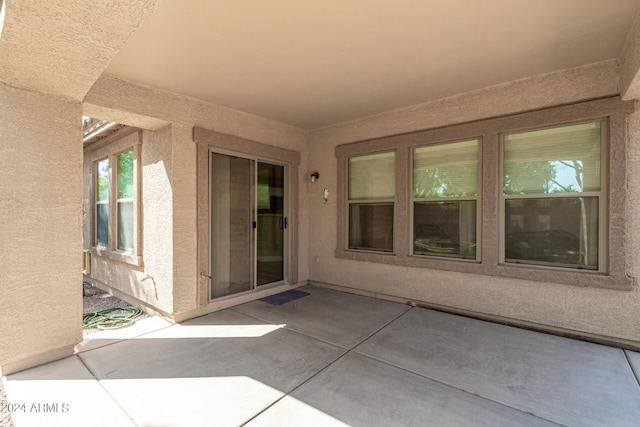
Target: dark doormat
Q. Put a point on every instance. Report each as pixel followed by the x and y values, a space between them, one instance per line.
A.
pixel 283 297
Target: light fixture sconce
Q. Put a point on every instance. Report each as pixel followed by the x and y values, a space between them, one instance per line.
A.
pixel 315 176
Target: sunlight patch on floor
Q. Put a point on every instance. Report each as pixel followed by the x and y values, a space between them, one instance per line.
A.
pixel 213 331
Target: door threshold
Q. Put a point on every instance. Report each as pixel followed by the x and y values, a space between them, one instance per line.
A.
pixel 236 299
pixel 271 285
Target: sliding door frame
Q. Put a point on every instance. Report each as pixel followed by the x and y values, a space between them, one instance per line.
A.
pixel 209 141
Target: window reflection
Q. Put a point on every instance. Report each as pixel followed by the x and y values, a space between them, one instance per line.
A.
pixel 561 231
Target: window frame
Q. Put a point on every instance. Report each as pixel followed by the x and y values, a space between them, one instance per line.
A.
pixel 601 196
pixel 96 202
pixel 380 201
pixel 611 273
pixel 111 148
pixel 119 200
pixel 477 198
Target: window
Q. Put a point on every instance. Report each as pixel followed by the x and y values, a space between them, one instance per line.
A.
pixel 552 194
pixel 445 199
pixel 102 203
pixel 124 202
pixel 529 196
pixel 371 201
pixel 115 226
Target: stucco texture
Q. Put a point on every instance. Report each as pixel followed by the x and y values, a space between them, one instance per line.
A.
pixel 152 281
pixel 587 310
pixel 582 309
pixel 115 98
pixel 630 64
pixel 40 206
pixel 564 87
pixel 42 49
pixel 51 54
pixel 157 232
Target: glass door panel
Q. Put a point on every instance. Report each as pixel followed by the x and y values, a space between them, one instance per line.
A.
pixel 232 215
pixel 271 223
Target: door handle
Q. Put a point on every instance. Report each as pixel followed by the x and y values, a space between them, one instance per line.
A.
pixel 283 223
pixel 205 275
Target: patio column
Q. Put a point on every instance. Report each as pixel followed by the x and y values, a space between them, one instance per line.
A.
pixel 55 51
pixel 40 227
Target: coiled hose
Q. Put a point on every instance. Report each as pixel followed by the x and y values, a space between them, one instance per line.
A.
pixel 103 320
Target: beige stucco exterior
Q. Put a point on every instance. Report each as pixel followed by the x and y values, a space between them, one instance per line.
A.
pixel 591 311
pixel 41 176
pixel 629 63
pixel 169 190
pixel 602 312
pixel 57 48
pixel 149 277
pixel 42 165
pixel 51 54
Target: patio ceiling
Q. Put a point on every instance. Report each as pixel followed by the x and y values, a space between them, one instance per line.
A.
pixel 312 64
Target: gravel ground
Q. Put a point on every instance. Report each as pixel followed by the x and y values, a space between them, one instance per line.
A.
pixel 5 415
pixel 95 299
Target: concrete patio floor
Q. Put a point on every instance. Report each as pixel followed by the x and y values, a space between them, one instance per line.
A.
pixel 330 358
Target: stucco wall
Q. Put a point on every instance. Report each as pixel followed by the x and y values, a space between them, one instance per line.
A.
pixel 157 233
pixel 112 98
pixel 40 262
pixel 152 282
pixel 61 48
pixel 564 87
pixel 633 199
pixel 184 219
pixel 591 310
pixel 630 63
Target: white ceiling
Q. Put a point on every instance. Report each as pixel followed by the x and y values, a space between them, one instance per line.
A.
pixel 313 63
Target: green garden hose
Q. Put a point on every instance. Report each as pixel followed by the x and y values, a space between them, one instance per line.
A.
pixel 102 319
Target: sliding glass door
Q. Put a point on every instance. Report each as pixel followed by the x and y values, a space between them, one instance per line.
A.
pixel 271 224
pixel 248 224
pixel 232 207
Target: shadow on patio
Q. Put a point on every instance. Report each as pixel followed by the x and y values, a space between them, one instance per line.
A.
pixel 327 359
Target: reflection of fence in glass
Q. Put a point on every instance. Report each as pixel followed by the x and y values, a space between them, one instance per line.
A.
pixel 445 228
pixel 445 192
pixel 551 185
pixel 559 231
pixel 371 226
